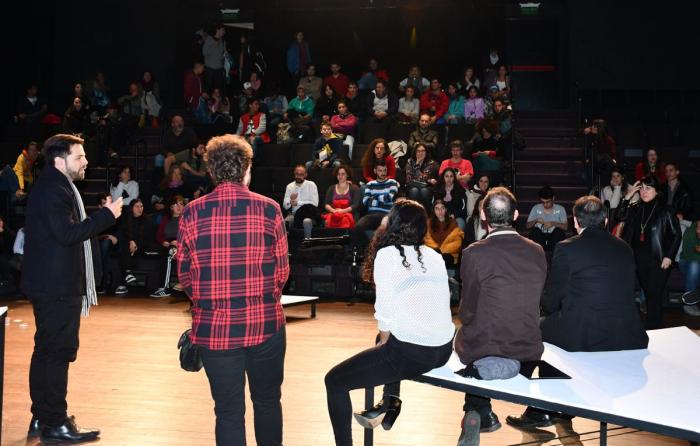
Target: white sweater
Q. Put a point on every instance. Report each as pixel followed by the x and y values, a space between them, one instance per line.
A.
pixel 412 304
pixel 131 188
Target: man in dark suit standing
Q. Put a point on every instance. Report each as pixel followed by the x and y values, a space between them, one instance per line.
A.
pixel 58 278
pixel 502 280
pixel 589 296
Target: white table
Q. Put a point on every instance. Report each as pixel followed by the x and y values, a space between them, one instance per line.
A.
pixel 288 300
pixel 655 390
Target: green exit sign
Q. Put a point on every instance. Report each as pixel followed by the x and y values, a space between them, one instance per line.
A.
pixel 529 8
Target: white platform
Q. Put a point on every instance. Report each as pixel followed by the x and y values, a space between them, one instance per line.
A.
pixel 3 310
pixel 657 389
pixel 287 299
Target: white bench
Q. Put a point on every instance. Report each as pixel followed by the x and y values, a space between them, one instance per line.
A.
pixel 655 390
pixel 288 300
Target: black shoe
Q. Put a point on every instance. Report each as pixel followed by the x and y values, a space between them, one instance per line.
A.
pixel 470 429
pixel 371 418
pixel 489 422
pixel 35 427
pixel 392 412
pixel 530 419
pixel 68 432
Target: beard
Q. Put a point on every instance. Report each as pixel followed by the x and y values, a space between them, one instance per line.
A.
pixel 75 175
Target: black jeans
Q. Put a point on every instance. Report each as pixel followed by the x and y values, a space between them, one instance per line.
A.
pixel 55 346
pixel 384 364
pixel 653 281
pixel 480 404
pixel 547 241
pixel 227 370
pixel 370 222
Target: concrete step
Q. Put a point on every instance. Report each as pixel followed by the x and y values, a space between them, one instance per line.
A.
pixel 562 194
pixel 550 131
pixel 558 121
pixel 553 179
pixel 551 141
pixel 548 166
pixel 555 153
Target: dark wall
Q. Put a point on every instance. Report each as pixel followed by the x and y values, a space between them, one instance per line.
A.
pixel 633 44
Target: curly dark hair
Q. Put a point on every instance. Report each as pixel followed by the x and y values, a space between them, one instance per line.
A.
pixel 408 224
pixel 228 158
pixel 369 160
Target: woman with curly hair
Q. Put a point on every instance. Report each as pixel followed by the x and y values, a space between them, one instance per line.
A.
pixel 378 149
pixel 413 313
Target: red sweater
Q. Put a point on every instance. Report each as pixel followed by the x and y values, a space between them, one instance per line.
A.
pixel 639 172
pixel 439 101
pixel 193 89
pixel 339 84
pixel 368 173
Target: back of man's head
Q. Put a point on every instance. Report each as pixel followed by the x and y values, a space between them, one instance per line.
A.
pixel 589 212
pixel 228 158
pixel 499 208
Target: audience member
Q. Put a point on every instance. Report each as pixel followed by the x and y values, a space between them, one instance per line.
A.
pixel 414 79
pixel 421 171
pixel 245 59
pixel 473 106
pixel 612 194
pixel 382 104
pixel 123 186
pixel 24 169
pixel 138 234
pixel 588 298
pixel 300 113
pixel 356 102
pixel 329 150
pixel 377 150
pixel 368 80
pixel 343 200
pixel 337 80
pixel 172 184
pixel 255 82
pixel 496 306
pixel 469 80
pixel 311 83
pixel 166 237
pixel 345 126
pixel 425 136
pixel 690 266
pixel 455 110
pixel 150 85
pixel 444 235
pixel 409 107
pixel 677 193
pixel 491 65
pixel 326 106
pixel 107 244
pixel 233 346
pixel 131 104
pixel 463 168
pixel 253 126
pixel 502 81
pixel 476 193
pixel 176 138
pixel 654 233
pixel 30 110
pixel 650 165
pixel 547 221
pixel 247 95
pixel 193 86
pixel 220 108
pixel 450 192
pixel 79 92
pixel 276 104
pixel 76 119
pixel 414 322
pixel 301 202
pixel 299 56
pixel 491 95
pixel 434 102
pixel 487 148
pixel 99 97
pixel 214 50
pixel 503 116
pixel 604 147
pixel 377 198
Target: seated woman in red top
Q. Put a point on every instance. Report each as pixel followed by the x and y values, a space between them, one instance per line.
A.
pixel 253 126
pixel 378 149
pixel 464 168
pixel 651 165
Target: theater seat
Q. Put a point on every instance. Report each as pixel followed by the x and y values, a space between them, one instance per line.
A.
pixel 273 155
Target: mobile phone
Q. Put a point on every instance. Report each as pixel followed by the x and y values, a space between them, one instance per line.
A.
pixel 541 370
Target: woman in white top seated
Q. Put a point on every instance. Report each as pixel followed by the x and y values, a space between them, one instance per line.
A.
pixel 413 315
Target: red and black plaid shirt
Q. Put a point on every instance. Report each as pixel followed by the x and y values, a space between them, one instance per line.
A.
pixel 232 260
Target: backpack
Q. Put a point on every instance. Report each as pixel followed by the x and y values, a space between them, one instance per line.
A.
pixel 283 134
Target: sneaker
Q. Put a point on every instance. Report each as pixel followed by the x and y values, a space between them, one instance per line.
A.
pixel 178 287
pixel 470 429
pixel 691 297
pixel 101 290
pixel 161 292
pixel 691 310
pixel 129 279
pixel 121 290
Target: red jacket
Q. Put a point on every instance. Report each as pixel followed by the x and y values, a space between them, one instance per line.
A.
pixel 339 85
pixel 245 119
pixel 439 101
pixel 640 171
pixel 345 125
pixel 193 89
pixel 390 169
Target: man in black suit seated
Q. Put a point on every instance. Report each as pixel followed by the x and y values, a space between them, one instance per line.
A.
pixel 588 300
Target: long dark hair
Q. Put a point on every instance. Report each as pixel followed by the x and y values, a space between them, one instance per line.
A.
pixel 456 187
pixel 369 161
pixel 118 171
pixel 407 226
pixel 440 230
pixel 624 185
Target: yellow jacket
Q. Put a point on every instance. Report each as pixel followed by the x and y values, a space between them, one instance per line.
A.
pixel 24 170
pixel 451 245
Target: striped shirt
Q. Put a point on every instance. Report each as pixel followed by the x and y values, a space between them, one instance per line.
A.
pixel 379 195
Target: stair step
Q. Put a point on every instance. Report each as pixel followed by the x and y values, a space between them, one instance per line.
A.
pixel 548 166
pixel 565 113
pixel 562 193
pixel 522 122
pixel 529 132
pixel 551 141
pixel 553 179
pixel 551 153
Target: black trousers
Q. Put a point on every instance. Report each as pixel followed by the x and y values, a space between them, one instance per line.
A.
pixel 653 281
pixel 369 222
pixel 227 370
pixel 55 347
pixel 547 240
pixel 479 404
pixel 384 364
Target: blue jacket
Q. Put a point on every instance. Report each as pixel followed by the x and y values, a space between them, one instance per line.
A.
pixel 293 57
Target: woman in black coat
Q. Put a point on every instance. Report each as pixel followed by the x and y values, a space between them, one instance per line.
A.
pixel 654 233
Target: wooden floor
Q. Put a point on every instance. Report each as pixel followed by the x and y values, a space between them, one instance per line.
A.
pixel 127 382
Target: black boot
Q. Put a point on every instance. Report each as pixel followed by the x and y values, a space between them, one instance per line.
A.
pixel 68 432
pixel 371 418
pixel 531 418
pixel 35 427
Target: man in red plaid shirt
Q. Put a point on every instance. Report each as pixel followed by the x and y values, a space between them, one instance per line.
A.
pixel 232 261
